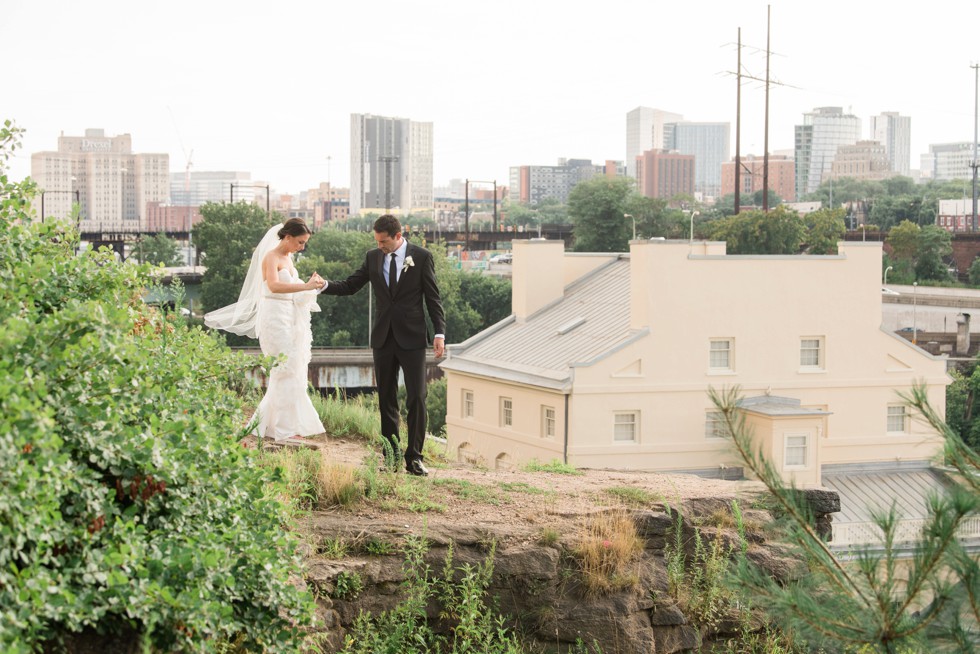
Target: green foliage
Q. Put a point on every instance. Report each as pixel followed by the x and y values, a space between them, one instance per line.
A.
pixel 923 249
pixel 158 249
pixel 126 501
pixel 335 254
pixel 962 413
pixel 597 207
pixel 553 466
pixel 488 295
pixel 461 594
pixel 347 586
pixel 344 417
pixel 781 231
pixel 824 228
pixel 435 406
pixel 226 238
pixel 632 495
pixel 880 600
pixel 974 272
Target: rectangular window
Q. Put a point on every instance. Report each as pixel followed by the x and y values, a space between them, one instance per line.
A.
pixel 898 419
pixel 795 450
pixel 506 412
pixel 714 425
pixel 547 422
pixel 720 354
pixel 625 426
pixel 467 404
pixel 811 352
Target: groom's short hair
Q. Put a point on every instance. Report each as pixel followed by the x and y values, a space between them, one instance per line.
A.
pixel 388 224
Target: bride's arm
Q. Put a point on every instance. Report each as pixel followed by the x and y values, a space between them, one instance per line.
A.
pixel 270 272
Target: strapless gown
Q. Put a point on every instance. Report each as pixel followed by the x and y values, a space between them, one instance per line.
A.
pixel 284 328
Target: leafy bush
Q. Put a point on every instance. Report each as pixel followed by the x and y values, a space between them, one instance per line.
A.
pixel 126 501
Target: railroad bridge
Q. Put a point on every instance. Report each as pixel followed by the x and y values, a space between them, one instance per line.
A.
pixel 350 369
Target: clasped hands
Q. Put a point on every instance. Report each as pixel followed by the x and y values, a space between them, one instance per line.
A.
pixel 316 282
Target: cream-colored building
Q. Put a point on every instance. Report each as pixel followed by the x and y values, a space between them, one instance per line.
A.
pixel 111 184
pixel 607 359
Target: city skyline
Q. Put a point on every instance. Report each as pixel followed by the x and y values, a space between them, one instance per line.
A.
pixel 503 83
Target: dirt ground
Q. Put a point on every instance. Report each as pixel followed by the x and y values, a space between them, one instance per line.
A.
pixel 516 500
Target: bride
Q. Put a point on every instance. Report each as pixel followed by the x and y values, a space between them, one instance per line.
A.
pixel 274 306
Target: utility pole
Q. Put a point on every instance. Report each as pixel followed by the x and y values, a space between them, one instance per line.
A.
pixel 765 147
pixel 738 126
pixel 973 164
pixel 738 121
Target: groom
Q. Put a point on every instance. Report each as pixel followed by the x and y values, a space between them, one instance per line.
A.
pixel 403 277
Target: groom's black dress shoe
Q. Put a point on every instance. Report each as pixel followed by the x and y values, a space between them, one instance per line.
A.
pixel 416 468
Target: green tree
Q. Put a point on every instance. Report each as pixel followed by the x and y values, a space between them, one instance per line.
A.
pixel 597 207
pixel 888 210
pixel 553 212
pixel 878 600
pixel 903 239
pixel 487 295
pixel 335 254
pixel 824 228
pixel 781 231
pixel 159 249
pixel 127 504
pixel 935 244
pixel 652 217
pixel 975 272
pixel 226 238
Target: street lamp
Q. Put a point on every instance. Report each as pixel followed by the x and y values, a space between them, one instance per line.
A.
pixel 915 330
pixel 885 280
pixel 693 213
pixel 267 194
pixel 864 232
pixel 43 193
pixel 630 216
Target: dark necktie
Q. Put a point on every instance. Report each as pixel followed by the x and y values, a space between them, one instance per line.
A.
pixel 392 274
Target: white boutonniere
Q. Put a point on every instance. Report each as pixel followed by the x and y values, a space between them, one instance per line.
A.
pixel 409 262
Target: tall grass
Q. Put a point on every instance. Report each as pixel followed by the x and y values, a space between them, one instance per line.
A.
pixel 344 417
pixel 608 551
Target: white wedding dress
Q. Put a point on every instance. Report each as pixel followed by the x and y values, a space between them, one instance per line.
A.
pixel 283 323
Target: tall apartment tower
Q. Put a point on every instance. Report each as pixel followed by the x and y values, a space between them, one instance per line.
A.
pixel 111 183
pixel 390 164
pixel 645 131
pixel 895 133
pixel 817 140
pixel 710 143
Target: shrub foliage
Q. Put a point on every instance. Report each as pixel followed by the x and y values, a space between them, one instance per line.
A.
pixel 126 501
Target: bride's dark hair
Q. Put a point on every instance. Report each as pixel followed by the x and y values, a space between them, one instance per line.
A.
pixel 294 227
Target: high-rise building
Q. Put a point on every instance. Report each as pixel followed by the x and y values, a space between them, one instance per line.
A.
pixel 196 187
pixel 664 174
pixel 110 182
pixel 948 161
pixel 895 133
pixel 709 143
pixel 391 165
pixel 816 143
pixel 532 184
pixel 645 131
pixel 865 160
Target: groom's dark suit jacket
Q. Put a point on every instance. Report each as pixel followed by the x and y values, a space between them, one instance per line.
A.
pixel 400 312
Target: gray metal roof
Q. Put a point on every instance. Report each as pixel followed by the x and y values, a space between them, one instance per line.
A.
pixel 777 406
pixel 863 492
pixel 589 321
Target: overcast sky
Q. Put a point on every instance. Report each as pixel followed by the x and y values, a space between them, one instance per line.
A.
pixel 268 87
